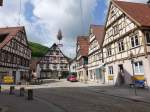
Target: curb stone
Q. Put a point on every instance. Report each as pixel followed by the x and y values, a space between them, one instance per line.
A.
pixel 140 99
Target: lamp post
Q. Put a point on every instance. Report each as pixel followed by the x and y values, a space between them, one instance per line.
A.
pixel 59 37
pixel 132 62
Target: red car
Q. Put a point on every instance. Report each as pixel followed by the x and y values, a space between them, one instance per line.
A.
pixel 72 78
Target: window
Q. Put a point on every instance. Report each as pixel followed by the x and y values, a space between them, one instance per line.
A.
pixel 148 37
pixel 134 41
pixel 2 56
pixel 50 53
pixel 112 12
pixel 9 58
pixel 109 53
pixel 121 46
pixel 116 29
pixel 47 66
pixel 110 33
pixel 57 53
pixel 65 66
pixel 110 70
pixel 14 59
pixel 85 61
pixel 41 65
pixel 138 67
pixel 54 67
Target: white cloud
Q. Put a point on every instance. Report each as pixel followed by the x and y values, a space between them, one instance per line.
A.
pixel 67 15
pixel 52 15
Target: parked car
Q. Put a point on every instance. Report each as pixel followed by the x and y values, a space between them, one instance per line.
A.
pixel 72 78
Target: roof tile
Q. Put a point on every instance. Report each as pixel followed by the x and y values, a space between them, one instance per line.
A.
pixel 98 31
pixel 83 42
pixel 137 11
pixel 11 31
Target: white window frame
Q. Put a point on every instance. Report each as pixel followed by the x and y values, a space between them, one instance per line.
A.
pixel 138 69
pixel 115 29
pixel 134 40
pixel 110 70
pixel 109 51
pixel 121 46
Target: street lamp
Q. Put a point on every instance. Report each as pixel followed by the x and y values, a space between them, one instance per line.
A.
pixel 132 62
pixel 59 37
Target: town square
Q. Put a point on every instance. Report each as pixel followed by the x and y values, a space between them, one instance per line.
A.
pixel 74 55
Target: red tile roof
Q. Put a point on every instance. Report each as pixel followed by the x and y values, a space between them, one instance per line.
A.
pixel 138 12
pixel 98 31
pixel 11 31
pixel 83 42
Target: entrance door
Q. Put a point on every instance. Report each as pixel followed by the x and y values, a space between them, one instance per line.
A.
pixel 14 76
pixel 121 79
pixel 99 75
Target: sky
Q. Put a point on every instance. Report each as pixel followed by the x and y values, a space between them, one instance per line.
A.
pixel 43 18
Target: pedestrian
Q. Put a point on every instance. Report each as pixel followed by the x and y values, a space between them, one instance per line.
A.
pixel 59 76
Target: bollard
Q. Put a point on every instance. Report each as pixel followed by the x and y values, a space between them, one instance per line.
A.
pixel 0 88
pixel 30 94
pixel 22 91
pixel 12 88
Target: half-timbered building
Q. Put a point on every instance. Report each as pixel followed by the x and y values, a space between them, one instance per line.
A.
pixel 73 65
pixel 126 42
pixel 82 58
pixel 15 54
pixel 52 63
pixel 95 59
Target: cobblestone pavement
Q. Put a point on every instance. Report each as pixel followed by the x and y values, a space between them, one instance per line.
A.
pixel 12 103
pixel 84 100
pixel 54 83
pixel 64 96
